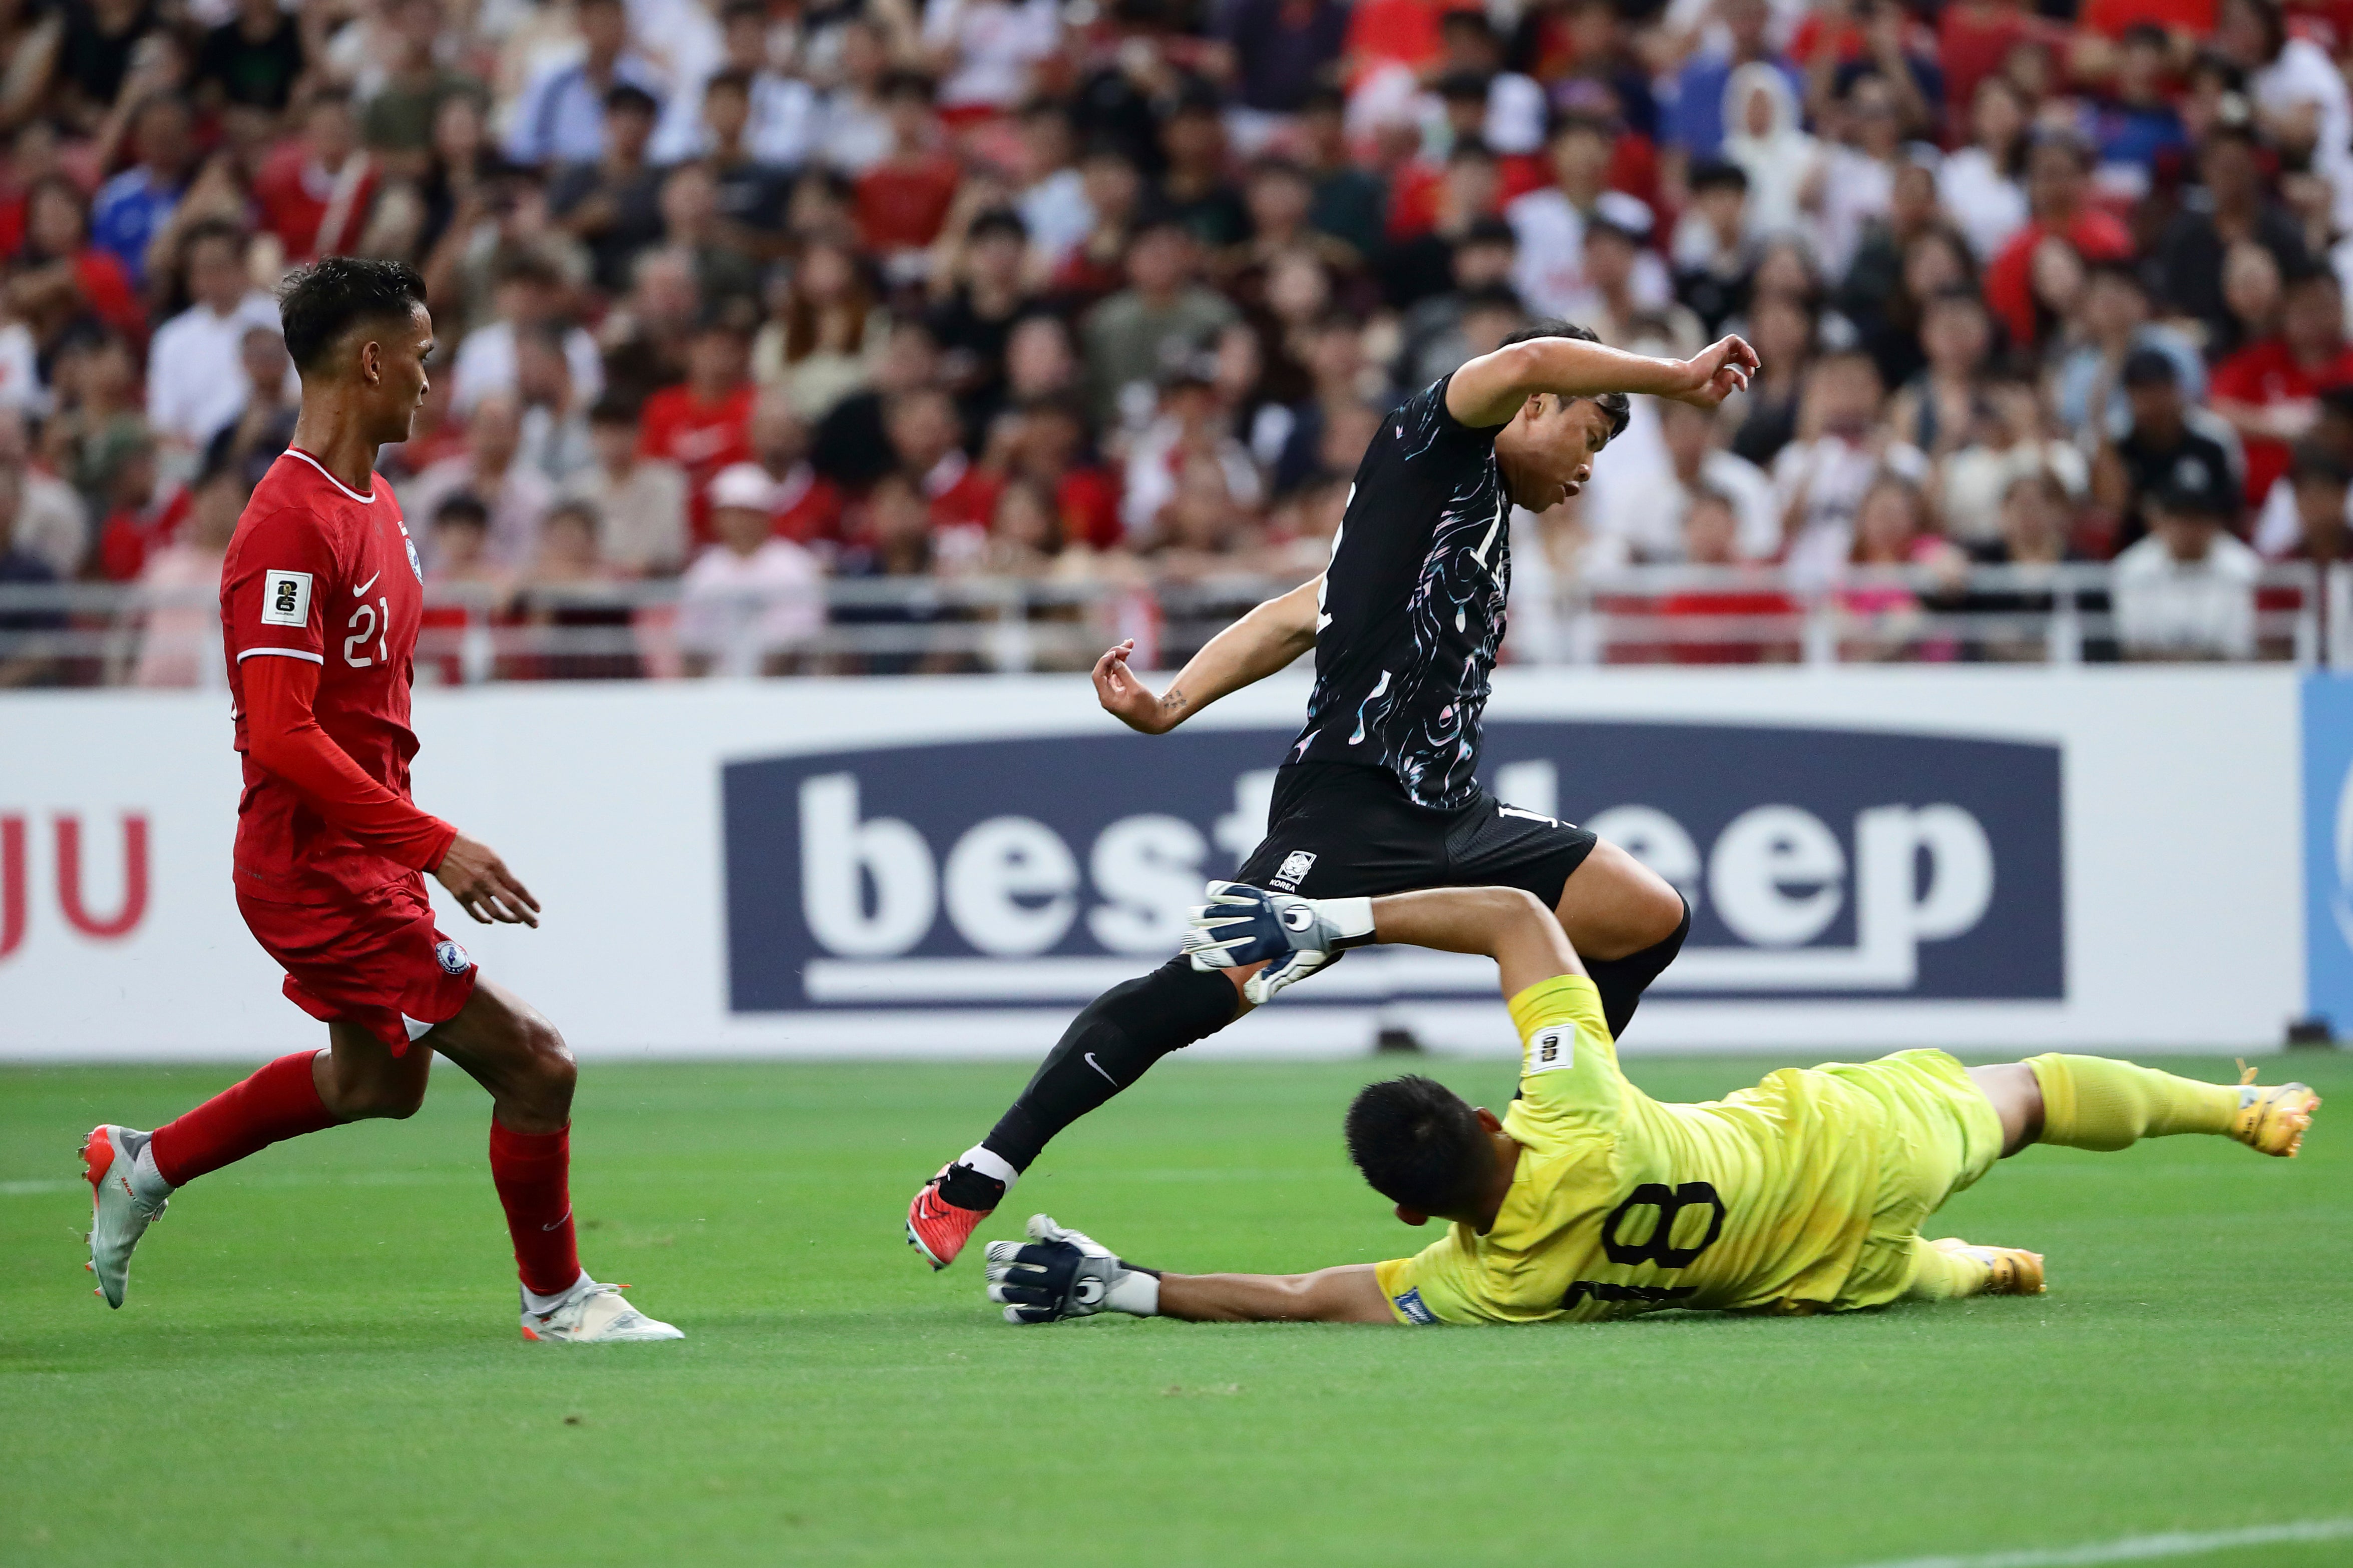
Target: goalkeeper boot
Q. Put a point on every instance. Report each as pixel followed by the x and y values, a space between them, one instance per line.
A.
pixel 2010 1271
pixel 938 1228
pixel 591 1314
pixel 2272 1118
pixel 121 1208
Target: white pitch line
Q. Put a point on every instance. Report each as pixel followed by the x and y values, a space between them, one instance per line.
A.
pixel 2141 1548
pixel 34 1189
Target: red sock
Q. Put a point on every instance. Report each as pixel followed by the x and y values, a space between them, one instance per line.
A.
pixel 531 1170
pixel 280 1101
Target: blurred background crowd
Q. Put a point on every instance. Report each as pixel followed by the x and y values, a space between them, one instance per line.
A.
pixel 938 334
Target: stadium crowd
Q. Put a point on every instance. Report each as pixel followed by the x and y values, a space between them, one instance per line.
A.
pixel 767 300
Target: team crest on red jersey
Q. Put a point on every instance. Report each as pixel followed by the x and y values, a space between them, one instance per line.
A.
pixel 451 957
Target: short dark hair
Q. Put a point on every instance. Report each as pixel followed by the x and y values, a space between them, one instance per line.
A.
pixel 1616 404
pixel 1717 174
pixel 627 98
pixel 736 81
pixel 998 220
pixel 1419 1144
pixel 463 507
pixel 2316 464
pixel 614 408
pixel 320 303
pixel 211 228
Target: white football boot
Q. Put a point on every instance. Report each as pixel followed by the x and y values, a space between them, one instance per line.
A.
pixel 119 1213
pixel 591 1313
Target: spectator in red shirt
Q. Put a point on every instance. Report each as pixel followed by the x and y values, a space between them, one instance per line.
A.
pixel 1711 538
pixel 903 200
pixel 2268 390
pixel 60 276
pixel 315 191
pixel 927 436
pixel 807 506
pixel 1396 32
pixel 1046 446
pixel 1974 38
pixel 138 522
pixel 702 424
pixel 2058 167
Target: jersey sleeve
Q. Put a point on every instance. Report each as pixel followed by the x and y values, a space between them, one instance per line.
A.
pixel 285 739
pixel 1430 1288
pixel 1570 1076
pixel 280 575
pixel 1440 421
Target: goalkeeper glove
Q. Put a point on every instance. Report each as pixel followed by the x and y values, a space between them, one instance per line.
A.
pixel 1293 937
pixel 1061 1273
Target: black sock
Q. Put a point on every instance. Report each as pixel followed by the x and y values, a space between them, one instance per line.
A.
pixel 1108 1047
pixel 1621 981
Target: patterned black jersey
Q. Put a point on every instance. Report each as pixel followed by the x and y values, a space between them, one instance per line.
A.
pixel 1412 606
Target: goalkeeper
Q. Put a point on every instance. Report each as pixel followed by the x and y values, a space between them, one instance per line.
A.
pixel 1589 1199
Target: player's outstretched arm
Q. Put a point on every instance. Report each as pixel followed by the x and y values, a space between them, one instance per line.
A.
pixel 1490 389
pixel 1253 647
pixel 1063 1273
pixel 1509 925
pixel 1349 1294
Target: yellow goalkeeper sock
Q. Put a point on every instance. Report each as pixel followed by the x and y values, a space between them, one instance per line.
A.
pixel 1944 1274
pixel 2092 1102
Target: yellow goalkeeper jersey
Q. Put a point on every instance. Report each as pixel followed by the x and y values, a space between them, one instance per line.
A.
pixel 1803 1193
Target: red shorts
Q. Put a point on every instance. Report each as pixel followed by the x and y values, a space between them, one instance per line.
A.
pixel 374 959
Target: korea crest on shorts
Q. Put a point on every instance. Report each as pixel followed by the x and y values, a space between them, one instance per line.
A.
pixel 1293 870
pixel 452 958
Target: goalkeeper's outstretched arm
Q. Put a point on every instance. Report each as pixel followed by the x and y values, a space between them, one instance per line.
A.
pixel 1241 927
pixel 1063 1273
pixel 1349 1294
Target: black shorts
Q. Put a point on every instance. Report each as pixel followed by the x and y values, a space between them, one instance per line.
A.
pixel 1341 830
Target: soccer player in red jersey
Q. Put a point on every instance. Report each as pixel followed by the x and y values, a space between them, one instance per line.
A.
pixel 320 598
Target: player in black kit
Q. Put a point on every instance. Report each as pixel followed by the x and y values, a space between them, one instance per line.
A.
pixel 1379 794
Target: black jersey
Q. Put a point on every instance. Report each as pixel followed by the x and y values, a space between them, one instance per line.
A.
pixel 1412 605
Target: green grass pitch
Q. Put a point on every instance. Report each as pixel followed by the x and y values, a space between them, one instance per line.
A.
pixel 318 1362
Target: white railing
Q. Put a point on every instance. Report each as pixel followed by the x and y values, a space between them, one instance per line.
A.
pixel 84 634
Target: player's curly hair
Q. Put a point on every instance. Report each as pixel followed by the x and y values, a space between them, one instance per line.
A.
pixel 1419 1144
pixel 1616 404
pixel 318 303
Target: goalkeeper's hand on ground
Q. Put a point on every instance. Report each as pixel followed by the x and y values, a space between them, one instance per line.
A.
pixel 1061 1273
pixel 1293 937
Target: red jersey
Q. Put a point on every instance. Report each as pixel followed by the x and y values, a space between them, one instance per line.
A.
pixel 312 211
pixel 2010 276
pixel 701 438
pixel 324 575
pixel 900 206
pixel 809 507
pixel 2110 18
pixel 2265 373
pixel 131 534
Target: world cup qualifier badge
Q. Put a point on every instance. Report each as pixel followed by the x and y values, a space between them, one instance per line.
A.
pixel 408 543
pixel 451 957
pixel 1293 870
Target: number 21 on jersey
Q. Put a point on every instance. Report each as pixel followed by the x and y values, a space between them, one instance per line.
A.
pixel 368 624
